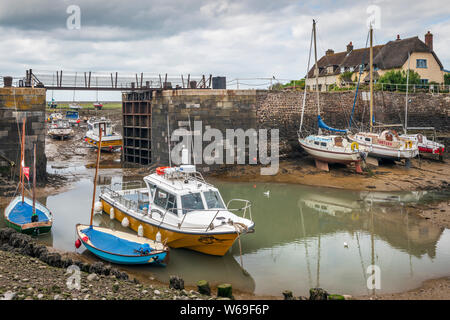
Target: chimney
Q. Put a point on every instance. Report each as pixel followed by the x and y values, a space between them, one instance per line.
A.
pixel 349 47
pixel 398 37
pixel 329 52
pixel 429 40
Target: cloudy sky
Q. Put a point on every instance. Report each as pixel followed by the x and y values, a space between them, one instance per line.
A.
pixel 234 38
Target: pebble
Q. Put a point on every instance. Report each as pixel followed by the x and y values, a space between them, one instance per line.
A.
pixel 92 277
pixel 25 280
pixel 144 291
pixel 40 296
pixel 56 297
pixel 157 292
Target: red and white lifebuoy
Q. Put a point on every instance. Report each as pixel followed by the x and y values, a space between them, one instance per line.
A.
pixel 161 170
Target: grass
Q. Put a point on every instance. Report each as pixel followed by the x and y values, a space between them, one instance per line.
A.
pixel 88 105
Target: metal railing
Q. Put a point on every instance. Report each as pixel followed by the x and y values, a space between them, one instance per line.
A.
pixel 135 205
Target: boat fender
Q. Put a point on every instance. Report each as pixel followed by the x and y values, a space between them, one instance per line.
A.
pixel 125 222
pixel 354 146
pixel 111 213
pixel 98 206
pixel 158 237
pixel 408 144
pixel 140 231
pixel 85 238
pixel 77 243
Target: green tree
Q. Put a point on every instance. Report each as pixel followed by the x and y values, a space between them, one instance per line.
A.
pixel 397 77
pixel 447 78
pixel 300 84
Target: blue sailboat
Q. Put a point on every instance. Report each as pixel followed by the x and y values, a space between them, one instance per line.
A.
pixel 116 246
pixel 24 214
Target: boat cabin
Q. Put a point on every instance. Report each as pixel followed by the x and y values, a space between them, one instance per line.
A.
pixel 95 124
pixel 180 192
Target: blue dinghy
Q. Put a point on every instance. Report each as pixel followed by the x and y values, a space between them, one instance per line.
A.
pixel 121 247
pixel 19 216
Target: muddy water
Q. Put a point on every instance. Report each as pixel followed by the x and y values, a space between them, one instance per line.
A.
pixel 299 238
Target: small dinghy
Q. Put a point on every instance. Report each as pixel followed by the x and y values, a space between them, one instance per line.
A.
pixel 121 247
pixel 24 214
pixel 115 246
pixel 19 216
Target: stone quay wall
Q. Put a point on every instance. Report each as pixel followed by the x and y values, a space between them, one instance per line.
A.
pixel 264 109
pixel 15 104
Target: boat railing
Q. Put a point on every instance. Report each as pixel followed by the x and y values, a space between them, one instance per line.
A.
pixel 129 185
pixel 120 198
pixel 191 176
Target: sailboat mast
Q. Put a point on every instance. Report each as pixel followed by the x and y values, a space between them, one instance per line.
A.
pixel 34 180
pixel 406 103
pixel 99 149
pixel 371 78
pixel 22 161
pixel 316 69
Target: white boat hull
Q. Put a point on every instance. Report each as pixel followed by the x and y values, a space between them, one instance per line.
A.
pixel 330 156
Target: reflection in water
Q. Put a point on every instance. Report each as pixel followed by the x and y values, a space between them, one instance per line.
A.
pixel 299 239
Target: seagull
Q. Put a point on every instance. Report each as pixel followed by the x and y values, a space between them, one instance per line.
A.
pixel 345 245
pixel 267 193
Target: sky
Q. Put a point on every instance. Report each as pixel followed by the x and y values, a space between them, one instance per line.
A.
pixel 243 39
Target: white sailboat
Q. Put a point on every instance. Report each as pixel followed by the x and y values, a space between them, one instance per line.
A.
pixel 387 144
pixel 424 144
pixel 327 149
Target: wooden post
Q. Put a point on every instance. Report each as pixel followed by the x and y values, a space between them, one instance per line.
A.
pixel 371 78
pixel 99 150
pixel 34 180
pixel 22 162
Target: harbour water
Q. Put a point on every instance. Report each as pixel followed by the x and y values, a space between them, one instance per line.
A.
pixel 305 237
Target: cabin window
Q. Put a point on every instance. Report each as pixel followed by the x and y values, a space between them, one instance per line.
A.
pixel 367 139
pixel 421 63
pixel 192 201
pixel 316 143
pixel 161 197
pixel 213 200
pixel 171 203
pixel 323 144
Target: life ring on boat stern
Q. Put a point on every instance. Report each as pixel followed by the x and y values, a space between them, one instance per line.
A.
pixel 354 146
pixel 408 144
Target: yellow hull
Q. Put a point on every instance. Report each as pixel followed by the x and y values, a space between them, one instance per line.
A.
pixel 105 144
pixel 214 244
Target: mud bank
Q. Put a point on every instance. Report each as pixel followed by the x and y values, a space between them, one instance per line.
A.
pixel 424 174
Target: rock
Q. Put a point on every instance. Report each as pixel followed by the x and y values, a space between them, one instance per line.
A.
pixel 6 247
pixel 176 283
pixel 157 292
pixel 97 267
pixel 40 296
pixel 115 287
pixel 347 297
pixel 53 259
pixel 224 290
pixel 25 280
pixel 19 240
pixel 317 294
pixel 92 277
pixel 203 287
pixel 56 297
pixel 288 295
pixel 335 297
pixel 5 234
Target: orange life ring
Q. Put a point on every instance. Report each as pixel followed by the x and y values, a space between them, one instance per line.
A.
pixel 161 170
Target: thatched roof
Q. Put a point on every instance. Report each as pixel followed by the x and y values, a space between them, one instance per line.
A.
pixel 395 53
pixel 388 56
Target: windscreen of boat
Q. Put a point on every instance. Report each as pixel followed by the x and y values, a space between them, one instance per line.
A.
pixel 192 201
pixel 213 200
pixel 165 200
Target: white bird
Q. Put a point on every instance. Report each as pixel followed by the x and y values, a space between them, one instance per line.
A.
pixel 267 193
pixel 345 245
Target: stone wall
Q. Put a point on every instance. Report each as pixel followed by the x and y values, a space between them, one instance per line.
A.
pixel 263 109
pixel 218 109
pixel 16 103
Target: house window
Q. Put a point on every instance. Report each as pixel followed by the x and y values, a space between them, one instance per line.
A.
pixel 330 69
pixel 424 81
pixel 351 69
pixel 421 63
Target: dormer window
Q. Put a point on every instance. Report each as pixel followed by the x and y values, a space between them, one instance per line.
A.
pixel 330 69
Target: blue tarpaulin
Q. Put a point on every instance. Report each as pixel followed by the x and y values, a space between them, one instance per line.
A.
pixel 324 126
pixel 22 212
pixel 115 245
